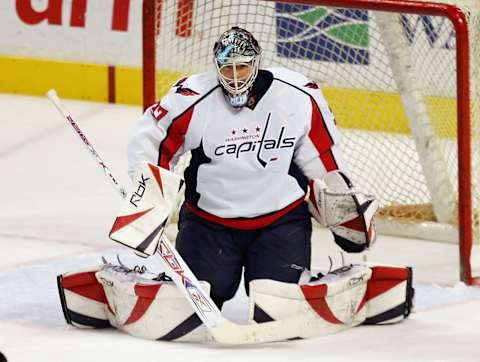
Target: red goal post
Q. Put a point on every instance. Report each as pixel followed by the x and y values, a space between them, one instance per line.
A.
pixel 398 103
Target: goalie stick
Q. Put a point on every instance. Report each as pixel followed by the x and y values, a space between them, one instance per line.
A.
pixel 222 330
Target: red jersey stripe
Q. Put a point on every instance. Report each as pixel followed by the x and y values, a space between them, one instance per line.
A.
pixel 321 138
pixel 328 161
pixel 245 223
pixel 318 132
pixel 174 139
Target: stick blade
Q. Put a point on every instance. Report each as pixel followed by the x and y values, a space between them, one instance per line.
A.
pixel 227 332
pixel 301 326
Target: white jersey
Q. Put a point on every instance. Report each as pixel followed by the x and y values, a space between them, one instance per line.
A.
pixel 249 166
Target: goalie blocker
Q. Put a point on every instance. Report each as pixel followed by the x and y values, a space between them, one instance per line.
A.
pixel 154 197
pixel 154 308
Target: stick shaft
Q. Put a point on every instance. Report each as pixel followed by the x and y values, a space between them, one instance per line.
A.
pixel 52 95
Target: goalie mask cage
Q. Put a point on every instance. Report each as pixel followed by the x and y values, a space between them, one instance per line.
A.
pixel 400 76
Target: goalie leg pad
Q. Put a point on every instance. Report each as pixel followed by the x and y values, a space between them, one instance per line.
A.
pixel 342 299
pixel 149 308
pixel 83 300
pixel 331 302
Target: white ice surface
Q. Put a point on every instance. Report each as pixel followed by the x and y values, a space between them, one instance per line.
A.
pixel 56 210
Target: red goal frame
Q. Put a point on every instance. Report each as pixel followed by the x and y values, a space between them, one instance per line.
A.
pixel 459 21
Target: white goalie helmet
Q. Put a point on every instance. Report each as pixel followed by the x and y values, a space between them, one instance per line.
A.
pixel 237 58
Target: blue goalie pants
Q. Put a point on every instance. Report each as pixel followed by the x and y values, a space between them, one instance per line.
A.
pixel 218 254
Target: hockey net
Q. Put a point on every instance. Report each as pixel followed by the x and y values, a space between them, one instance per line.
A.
pixel 394 73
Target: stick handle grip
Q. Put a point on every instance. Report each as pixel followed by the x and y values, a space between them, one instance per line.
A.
pixel 52 95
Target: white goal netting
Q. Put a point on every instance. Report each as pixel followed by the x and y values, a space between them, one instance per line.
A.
pixel 390 78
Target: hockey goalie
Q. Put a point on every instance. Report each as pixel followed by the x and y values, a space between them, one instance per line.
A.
pixel 257 138
pixel 151 306
pixel 265 158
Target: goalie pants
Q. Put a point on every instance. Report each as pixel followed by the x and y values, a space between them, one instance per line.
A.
pixel 217 254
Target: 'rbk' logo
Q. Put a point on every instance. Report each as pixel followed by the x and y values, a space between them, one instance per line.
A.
pixel 258 145
pixel 137 195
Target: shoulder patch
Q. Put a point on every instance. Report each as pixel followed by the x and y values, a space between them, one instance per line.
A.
pixel 184 91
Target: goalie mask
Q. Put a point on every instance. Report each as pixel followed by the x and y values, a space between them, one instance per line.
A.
pixel 237 58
